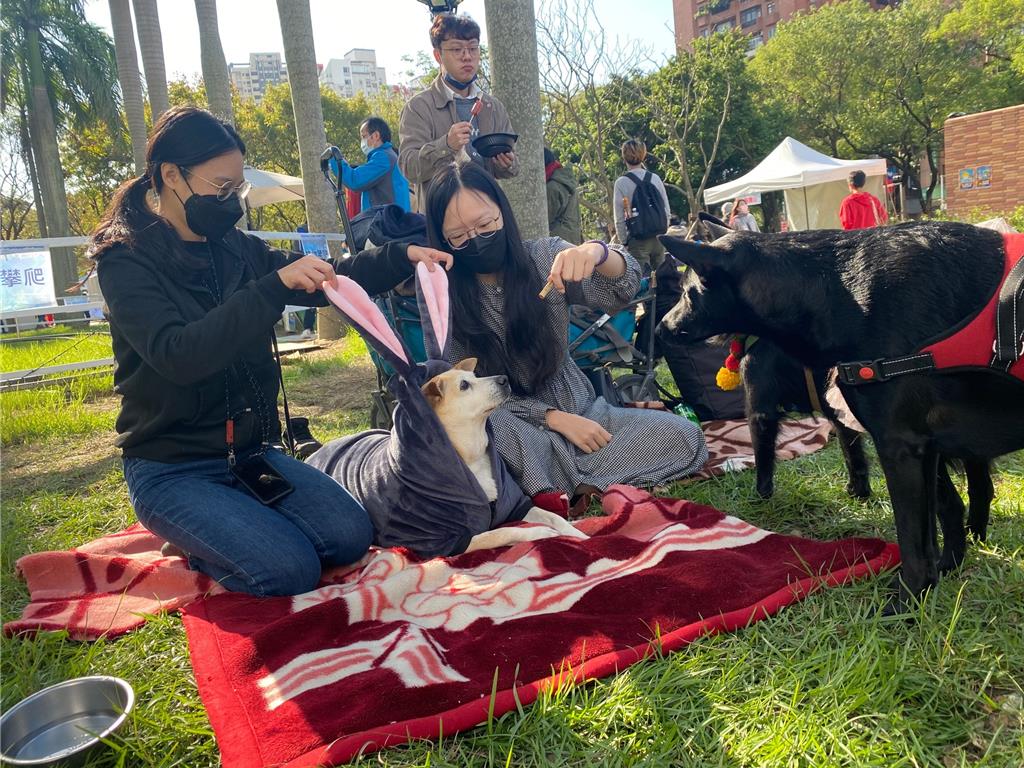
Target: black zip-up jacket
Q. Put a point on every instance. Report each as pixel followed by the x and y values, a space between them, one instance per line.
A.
pixel 179 352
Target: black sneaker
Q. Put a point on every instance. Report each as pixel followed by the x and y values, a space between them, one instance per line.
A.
pixel 305 444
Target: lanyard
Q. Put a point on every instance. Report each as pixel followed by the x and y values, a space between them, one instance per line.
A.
pixel 261 406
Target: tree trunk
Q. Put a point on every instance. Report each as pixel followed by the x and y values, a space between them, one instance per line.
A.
pixel 147 23
pixel 300 56
pixel 512 44
pixel 30 163
pixel 215 68
pixel 131 83
pixel 43 137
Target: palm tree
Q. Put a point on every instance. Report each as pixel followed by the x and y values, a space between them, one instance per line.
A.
pixel 147 24
pixel 60 70
pixel 299 54
pixel 215 68
pixel 131 82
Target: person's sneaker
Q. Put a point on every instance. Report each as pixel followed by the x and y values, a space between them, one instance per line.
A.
pixel 306 334
pixel 305 444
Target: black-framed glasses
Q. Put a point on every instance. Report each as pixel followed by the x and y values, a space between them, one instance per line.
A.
pixel 227 189
pixel 487 230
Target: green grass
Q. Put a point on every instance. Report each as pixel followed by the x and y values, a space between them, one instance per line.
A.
pixel 76 348
pixel 827 682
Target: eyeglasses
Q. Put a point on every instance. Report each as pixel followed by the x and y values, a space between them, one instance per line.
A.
pixel 458 51
pixel 225 190
pixel 487 230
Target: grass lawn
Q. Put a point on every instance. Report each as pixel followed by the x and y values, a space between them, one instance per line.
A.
pixel 827 682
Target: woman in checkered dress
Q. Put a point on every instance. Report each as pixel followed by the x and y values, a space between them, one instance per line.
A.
pixel 554 433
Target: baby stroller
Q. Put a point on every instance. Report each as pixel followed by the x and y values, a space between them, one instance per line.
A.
pixel 403 315
pixel 600 343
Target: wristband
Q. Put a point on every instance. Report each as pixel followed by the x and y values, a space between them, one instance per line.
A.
pixel 604 256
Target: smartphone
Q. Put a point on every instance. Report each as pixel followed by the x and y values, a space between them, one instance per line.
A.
pixel 259 478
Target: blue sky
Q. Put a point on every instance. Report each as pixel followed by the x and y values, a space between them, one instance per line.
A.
pixel 393 28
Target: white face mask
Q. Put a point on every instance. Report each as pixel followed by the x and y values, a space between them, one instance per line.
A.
pixel 364 144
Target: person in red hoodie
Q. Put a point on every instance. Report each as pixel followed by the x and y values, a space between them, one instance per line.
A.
pixel 860 209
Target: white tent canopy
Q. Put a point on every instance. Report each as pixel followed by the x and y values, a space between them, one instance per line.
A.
pixel 269 187
pixel 814 184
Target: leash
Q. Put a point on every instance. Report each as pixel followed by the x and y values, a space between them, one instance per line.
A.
pixel 812 392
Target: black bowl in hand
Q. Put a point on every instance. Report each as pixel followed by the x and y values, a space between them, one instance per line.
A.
pixel 491 144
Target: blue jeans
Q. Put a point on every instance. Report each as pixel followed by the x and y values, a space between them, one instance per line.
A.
pixel 242 543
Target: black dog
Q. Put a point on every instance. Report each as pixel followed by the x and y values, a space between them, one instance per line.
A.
pixel 828 297
pixel 773 383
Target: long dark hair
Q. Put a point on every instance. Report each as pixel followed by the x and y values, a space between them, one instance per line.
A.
pixel 185 136
pixel 529 336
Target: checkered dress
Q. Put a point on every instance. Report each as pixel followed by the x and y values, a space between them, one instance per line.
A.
pixel 647 447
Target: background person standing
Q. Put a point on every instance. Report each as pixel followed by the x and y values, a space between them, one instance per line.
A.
pixel 860 209
pixel 563 200
pixel 379 179
pixel 641 207
pixel 437 123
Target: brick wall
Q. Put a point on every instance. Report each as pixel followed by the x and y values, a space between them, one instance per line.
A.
pixel 994 139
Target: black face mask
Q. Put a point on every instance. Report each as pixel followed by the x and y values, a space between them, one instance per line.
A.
pixel 210 217
pixel 484 255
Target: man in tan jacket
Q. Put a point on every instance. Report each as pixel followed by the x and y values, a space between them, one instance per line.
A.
pixel 437 124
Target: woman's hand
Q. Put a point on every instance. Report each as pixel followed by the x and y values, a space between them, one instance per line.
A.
pixel 585 434
pixel 574 264
pixel 306 274
pixel 429 256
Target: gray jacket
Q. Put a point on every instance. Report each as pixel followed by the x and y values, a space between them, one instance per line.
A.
pixel 624 186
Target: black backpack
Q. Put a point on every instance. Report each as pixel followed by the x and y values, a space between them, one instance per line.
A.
pixel 649 217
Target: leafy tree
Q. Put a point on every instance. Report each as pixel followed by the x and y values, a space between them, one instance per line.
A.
pixel 17 213
pixel 858 82
pixel 700 107
pixel 588 101
pixel 994 28
pixel 58 71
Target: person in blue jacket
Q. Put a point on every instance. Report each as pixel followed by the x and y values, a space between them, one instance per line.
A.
pixel 379 179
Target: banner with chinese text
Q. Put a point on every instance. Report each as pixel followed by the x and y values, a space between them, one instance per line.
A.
pixel 26 280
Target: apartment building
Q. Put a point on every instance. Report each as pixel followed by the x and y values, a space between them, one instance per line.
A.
pixel 356 72
pixel 252 79
pixel 756 18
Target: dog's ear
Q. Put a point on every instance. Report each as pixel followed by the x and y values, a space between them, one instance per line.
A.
pixel 433 389
pixel 469 364
pixel 700 256
pixel 714 225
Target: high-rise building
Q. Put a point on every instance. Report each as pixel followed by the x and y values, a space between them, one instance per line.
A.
pixel 356 72
pixel 756 18
pixel 252 79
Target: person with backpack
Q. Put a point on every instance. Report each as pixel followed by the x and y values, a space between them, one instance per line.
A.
pixel 641 207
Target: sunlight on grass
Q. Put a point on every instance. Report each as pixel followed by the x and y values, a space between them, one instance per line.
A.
pixel 57 411
pixel 24 355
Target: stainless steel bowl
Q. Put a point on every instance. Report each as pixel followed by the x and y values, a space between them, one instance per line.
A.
pixel 64 722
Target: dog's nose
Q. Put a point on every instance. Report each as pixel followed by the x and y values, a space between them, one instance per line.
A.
pixel 664 332
pixel 502 380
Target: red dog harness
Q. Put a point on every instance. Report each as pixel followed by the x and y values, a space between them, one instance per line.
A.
pixel 992 339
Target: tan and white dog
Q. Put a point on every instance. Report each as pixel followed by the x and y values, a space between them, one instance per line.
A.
pixel 462 402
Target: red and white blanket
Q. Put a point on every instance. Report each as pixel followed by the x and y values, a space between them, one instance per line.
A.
pixel 109 586
pixel 402 649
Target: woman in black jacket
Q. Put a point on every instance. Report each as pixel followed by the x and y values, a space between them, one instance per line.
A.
pixel 192 302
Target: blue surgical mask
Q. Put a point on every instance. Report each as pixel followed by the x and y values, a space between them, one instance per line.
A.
pixel 364 145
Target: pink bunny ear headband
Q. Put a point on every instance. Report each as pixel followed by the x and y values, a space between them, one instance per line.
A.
pixel 352 301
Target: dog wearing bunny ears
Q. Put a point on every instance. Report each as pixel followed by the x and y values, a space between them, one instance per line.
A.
pixel 434 483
